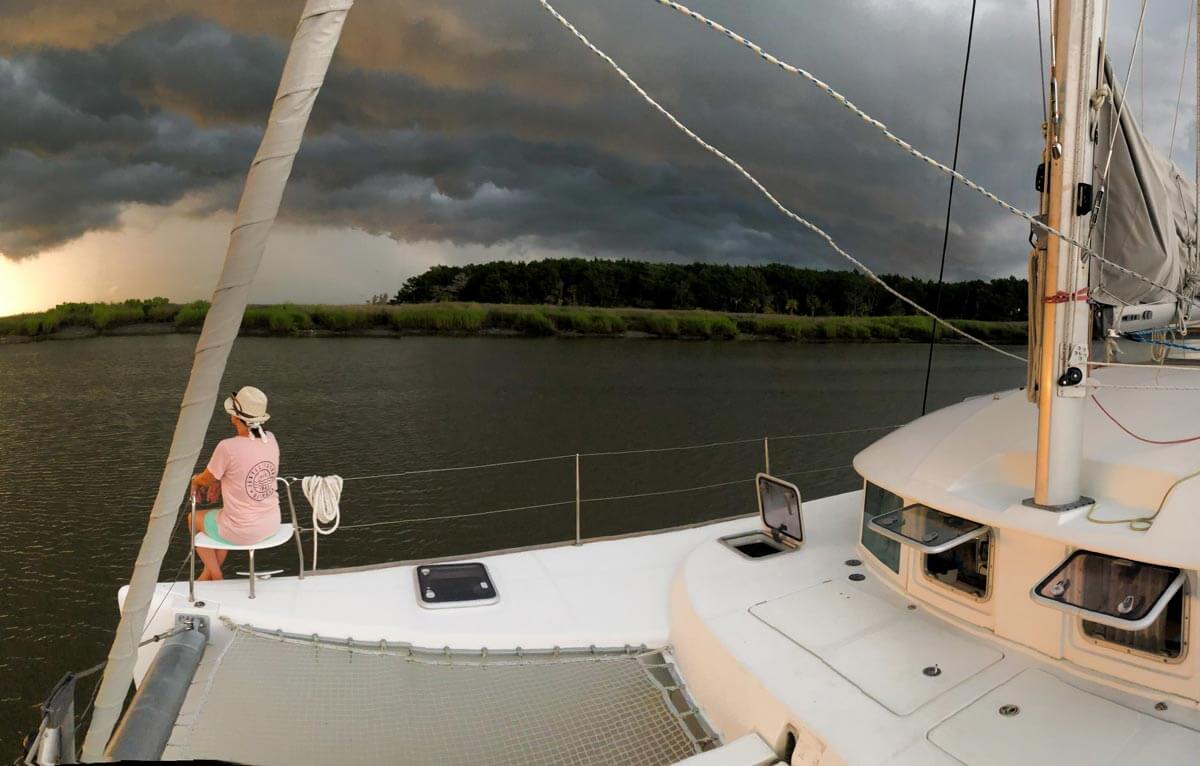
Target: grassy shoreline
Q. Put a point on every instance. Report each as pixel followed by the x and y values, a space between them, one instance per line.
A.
pixel 157 316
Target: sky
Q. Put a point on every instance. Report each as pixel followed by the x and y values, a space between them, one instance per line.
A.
pixel 462 131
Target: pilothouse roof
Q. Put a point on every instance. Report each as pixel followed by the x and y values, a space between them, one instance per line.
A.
pixel 976 460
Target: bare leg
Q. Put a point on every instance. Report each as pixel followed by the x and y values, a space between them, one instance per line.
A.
pixel 211 557
pixel 221 554
pixel 212 567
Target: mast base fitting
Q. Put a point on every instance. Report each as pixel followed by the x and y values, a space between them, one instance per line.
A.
pixel 1083 502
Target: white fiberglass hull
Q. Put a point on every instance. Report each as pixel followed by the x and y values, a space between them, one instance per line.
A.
pixel 779 646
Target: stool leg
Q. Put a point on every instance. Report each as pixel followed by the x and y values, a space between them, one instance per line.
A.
pixel 252 578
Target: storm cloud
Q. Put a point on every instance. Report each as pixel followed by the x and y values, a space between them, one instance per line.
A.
pixel 485 124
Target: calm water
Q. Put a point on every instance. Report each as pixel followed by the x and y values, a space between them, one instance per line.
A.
pixel 85 427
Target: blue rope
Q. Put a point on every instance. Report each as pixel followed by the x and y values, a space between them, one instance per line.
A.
pixel 1143 336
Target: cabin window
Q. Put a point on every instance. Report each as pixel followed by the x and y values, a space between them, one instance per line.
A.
pixel 956 550
pixel 1164 638
pixel 879 501
pixel 1128 603
pixel 965 567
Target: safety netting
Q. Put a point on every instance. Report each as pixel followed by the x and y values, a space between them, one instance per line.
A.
pixel 274 699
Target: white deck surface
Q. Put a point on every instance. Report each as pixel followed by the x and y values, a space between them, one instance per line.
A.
pixel 607 594
pixel 850 674
pixel 855 679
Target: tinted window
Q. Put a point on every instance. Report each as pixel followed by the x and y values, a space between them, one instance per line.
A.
pixel 878 502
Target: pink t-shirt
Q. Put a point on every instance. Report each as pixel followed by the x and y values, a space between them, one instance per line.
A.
pixel 247 468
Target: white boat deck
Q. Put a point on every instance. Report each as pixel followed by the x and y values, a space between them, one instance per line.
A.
pixel 608 594
pixel 846 659
pixel 762 645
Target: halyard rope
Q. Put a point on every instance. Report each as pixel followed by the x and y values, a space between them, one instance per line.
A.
pixel 771 197
pixel 878 125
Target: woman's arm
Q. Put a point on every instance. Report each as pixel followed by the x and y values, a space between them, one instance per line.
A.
pixel 209 483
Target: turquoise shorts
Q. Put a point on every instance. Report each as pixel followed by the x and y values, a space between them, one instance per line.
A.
pixel 212 529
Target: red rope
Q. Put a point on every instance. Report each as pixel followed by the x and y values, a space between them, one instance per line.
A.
pixel 1141 438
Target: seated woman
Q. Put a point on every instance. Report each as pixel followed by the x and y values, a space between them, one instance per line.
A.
pixel 242 472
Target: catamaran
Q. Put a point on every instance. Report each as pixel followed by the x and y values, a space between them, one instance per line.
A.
pixel 1014 583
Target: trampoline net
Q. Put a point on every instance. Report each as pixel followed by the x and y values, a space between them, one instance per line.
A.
pixel 274 700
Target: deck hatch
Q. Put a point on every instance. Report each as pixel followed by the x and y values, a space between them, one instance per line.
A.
pixel 450 585
pixel 926 529
pixel 1111 591
pixel 779 507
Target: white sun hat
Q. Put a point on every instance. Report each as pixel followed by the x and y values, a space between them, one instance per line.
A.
pixel 249 405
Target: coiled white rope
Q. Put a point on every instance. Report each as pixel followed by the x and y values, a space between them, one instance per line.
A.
pixel 323 494
pixel 766 193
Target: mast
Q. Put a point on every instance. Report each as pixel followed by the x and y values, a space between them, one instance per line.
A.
pixel 1076 72
pixel 308 60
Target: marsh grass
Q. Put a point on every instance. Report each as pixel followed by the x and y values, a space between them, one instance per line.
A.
pixel 284 319
pixel 191 314
pixel 473 318
pixel 434 318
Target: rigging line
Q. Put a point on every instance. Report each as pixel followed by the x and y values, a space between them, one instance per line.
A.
pixel 607 453
pixel 459 468
pixel 1143 387
pixel 453 516
pixel 764 191
pixel 937 302
pixel 1157 366
pixel 835 433
pixel 1140 337
pixel 1029 218
pixel 82 717
pixel 1183 70
pixel 388 522
pixel 684 490
pixel 1139 437
pixel 756 440
pixel 1041 64
pixel 1124 97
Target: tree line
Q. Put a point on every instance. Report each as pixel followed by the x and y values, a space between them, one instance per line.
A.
pixel 770 289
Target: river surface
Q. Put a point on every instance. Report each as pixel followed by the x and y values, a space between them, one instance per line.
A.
pixel 85 427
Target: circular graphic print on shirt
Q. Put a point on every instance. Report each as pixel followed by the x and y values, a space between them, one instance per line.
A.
pixel 260 480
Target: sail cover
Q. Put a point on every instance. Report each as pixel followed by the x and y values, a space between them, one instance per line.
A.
pixel 1147 218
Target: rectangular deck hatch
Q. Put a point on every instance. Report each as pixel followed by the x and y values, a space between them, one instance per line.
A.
pixel 779 507
pixel 926 529
pixel 1112 591
pixel 450 585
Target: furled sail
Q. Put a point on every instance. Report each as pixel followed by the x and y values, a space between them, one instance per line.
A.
pixel 303 74
pixel 1147 217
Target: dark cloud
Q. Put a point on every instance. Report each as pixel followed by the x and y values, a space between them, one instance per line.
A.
pixel 45 201
pixel 479 124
